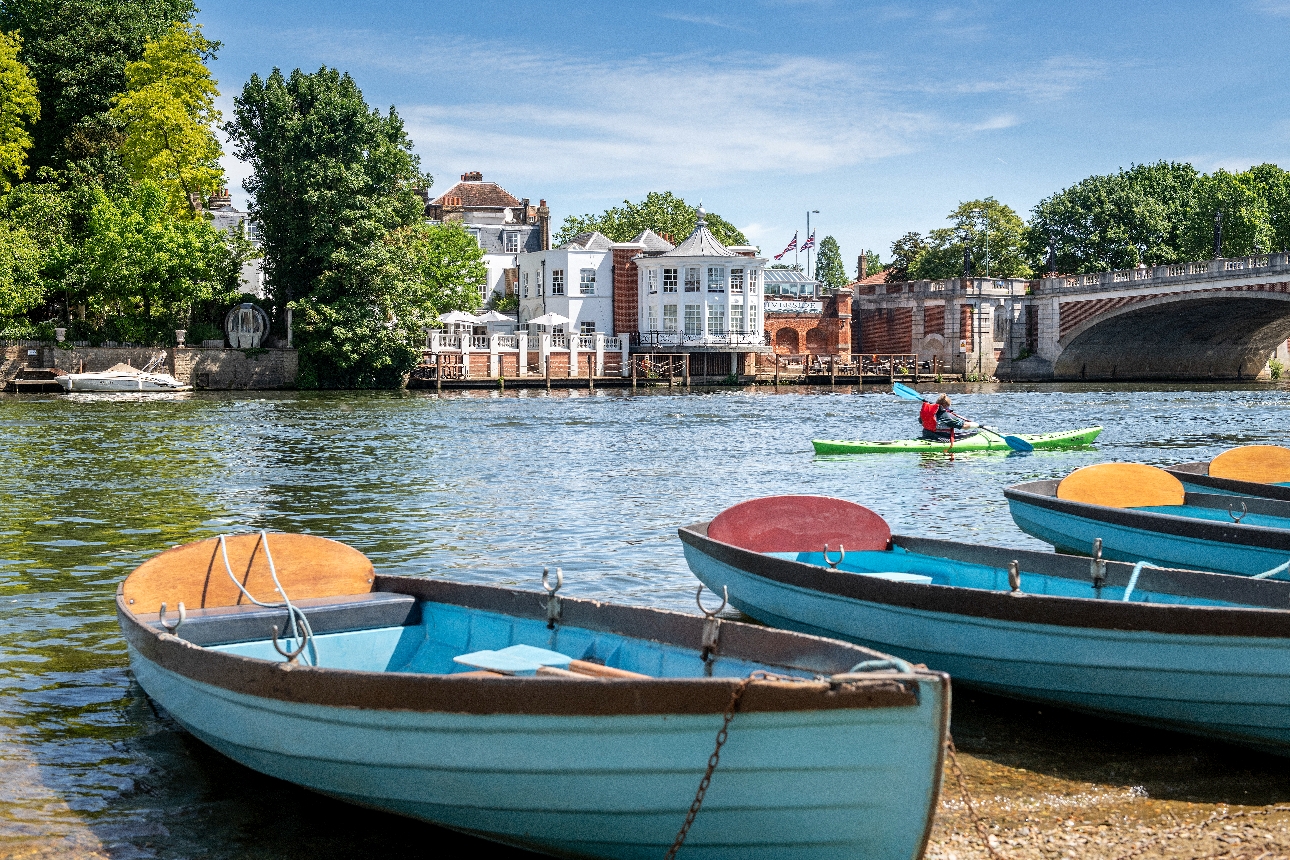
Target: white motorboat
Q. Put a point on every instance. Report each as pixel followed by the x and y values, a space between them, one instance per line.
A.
pixel 123 377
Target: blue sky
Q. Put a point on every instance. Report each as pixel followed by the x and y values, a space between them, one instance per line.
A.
pixel 882 116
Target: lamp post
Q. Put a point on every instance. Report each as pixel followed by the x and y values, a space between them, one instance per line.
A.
pixel 808 238
pixel 1218 234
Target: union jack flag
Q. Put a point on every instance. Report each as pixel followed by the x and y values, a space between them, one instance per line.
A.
pixel 791 246
pixel 810 241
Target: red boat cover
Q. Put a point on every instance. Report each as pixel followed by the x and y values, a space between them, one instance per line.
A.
pixel 800 524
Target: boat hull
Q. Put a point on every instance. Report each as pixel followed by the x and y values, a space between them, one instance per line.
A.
pixel 1140 535
pixel 1232 687
pixel 120 382
pixel 1195 478
pixel 979 442
pixel 572 768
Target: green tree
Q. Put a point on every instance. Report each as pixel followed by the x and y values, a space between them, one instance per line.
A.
pixel 1247 221
pixel 1139 215
pixel 828 264
pixel 990 231
pixel 20 286
pixel 149 269
pixel 333 184
pixel 168 114
pixel 905 252
pixel 873 263
pixel 77 50
pixel 19 110
pixel 663 212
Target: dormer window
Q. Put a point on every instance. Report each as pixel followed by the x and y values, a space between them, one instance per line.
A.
pixel 511 242
pixel 716 279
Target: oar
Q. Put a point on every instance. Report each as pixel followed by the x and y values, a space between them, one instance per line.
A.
pixel 1016 443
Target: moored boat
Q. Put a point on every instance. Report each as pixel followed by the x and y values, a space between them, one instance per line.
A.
pixel 1198 652
pixel 570 727
pixel 982 441
pixel 1141 513
pixel 123 378
pixel 1251 470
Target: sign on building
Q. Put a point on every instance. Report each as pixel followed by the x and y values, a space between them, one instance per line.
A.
pixel 794 307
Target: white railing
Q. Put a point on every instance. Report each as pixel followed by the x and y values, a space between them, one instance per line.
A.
pixel 450 341
pixel 1233 265
pixel 1120 276
pixel 1141 274
pixel 1175 271
pixel 560 340
pixel 674 338
pixel 586 341
pixel 508 341
pixel 613 344
pixel 479 341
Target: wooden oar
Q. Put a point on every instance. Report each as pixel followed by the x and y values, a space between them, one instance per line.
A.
pixel 1016 443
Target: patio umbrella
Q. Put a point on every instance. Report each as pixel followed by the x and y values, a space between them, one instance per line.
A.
pixel 495 316
pixel 550 319
pixel 457 317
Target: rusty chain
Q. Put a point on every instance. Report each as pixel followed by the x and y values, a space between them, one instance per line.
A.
pixel 977 821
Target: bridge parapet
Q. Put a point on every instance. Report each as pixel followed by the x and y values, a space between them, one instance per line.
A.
pixel 1171 274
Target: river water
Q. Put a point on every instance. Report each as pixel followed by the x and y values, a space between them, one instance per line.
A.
pixel 476 486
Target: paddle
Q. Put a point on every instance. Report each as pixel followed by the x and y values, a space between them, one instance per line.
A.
pixel 1016 443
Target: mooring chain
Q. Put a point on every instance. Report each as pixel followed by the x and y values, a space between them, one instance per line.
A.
pixel 977 821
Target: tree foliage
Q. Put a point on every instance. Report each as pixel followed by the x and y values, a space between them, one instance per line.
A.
pixel 992 233
pixel 77 50
pixel 828 264
pixel 334 185
pixel 905 252
pixel 168 115
pixel 20 285
pixel 663 212
pixel 19 110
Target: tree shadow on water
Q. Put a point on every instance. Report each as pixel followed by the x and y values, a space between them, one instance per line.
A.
pixel 1077 747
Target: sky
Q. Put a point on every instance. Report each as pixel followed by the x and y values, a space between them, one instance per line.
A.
pixel 882 116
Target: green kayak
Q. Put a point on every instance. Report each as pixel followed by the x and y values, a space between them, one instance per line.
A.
pixel 983 441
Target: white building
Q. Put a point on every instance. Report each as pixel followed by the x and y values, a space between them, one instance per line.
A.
pixel 575 281
pixel 701 295
pixel 225 216
pixel 504 226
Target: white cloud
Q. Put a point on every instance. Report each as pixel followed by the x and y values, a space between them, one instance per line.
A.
pixel 1280 8
pixel 709 20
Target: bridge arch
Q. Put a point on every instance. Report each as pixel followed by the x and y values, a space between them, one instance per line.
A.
pixel 1227 334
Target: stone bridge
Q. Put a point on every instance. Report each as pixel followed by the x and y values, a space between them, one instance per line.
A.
pixel 1216 320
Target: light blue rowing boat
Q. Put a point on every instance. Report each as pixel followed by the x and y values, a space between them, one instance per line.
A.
pixel 569 727
pixel 1198 652
pixel 1251 470
pixel 1141 513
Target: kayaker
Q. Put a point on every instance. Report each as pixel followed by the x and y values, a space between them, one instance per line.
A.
pixel 939 421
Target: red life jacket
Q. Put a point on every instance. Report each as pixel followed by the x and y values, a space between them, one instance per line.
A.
pixel 927 416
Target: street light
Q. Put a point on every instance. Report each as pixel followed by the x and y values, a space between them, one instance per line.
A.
pixel 808 238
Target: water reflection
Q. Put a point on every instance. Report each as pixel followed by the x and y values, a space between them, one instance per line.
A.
pixel 482 486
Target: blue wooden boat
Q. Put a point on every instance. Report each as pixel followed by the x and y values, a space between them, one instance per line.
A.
pixel 1251 470
pixel 1141 513
pixel 570 727
pixel 1197 652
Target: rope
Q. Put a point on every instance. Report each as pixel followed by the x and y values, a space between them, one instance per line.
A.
pixel 293 612
pixel 1267 574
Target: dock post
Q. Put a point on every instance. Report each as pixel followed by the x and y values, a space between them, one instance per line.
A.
pixel 547 369
pixel 438 373
pixel 633 361
pixel 685 369
pixel 833 370
pixel 776 369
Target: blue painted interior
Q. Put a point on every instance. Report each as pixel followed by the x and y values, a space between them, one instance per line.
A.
pixel 944 571
pixel 448 631
pixel 1218 515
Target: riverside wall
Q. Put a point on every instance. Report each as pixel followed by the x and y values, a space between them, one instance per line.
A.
pixel 213 369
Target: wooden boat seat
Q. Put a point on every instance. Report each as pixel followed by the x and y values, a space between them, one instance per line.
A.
pixel 1260 464
pixel 1121 485
pixel 308 566
pixel 250 623
pixel 800 524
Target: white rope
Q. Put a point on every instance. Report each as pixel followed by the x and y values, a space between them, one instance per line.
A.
pixel 1133 578
pixel 293 611
pixel 1267 574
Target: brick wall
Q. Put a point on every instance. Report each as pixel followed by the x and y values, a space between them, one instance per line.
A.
pixel 626 293
pixel 225 369
pixel 934 319
pixel 887 330
pixel 827 333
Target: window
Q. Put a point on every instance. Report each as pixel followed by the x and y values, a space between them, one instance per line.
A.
pixel 524 289
pixel 737 318
pixel 692 279
pixel 652 278
pixel 716 279
pixel 716 319
pixel 669 280
pixel 669 318
pixel 753 288
pixel 587 328
pixel 252 230
pixel 587 282
pixel 694 319
pixel 653 319
pixel 736 280
pixel 753 324
pixel 474 234
pixel 512 242
pixel 557 282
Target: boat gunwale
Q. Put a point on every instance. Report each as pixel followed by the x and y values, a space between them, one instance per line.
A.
pixel 541 695
pixel 1043 494
pixel 1022 607
pixel 1197 473
pixel 936 445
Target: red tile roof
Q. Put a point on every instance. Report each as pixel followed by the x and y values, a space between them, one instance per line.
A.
pixel 480 195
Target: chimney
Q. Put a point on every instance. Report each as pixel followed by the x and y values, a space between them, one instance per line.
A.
pixel 862 266
pixel 472 176
pixel 544 219
pixel 524 211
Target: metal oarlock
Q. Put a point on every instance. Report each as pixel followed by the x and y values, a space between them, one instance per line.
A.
pixel 171 628
pixel 1231 513
pixel 290 655
pixel 1098 566
pixel 1014 576
pixel 552 601
pixel 842 554
pixel 711 627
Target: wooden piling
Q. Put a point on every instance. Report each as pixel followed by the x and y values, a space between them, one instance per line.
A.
pixel 548 373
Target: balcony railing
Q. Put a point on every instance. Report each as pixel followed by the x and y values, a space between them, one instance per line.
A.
pixel 676 338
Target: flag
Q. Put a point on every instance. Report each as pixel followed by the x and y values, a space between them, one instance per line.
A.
pixel 791 246
pixel 810 242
